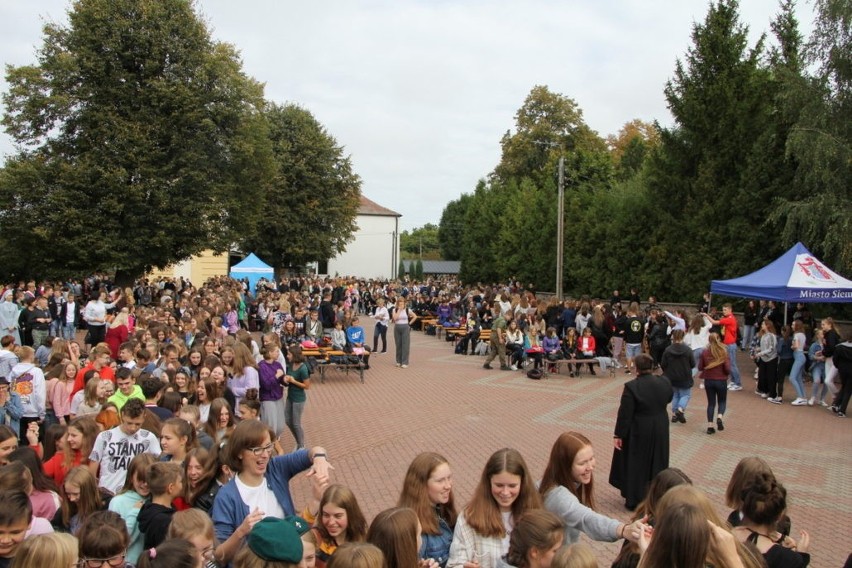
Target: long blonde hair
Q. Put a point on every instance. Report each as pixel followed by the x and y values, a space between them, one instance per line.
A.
pixel 717 350
pixel 121 318
pixel 52 549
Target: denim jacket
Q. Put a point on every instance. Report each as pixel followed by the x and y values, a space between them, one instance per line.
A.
pixel 11 412
pixel 437 546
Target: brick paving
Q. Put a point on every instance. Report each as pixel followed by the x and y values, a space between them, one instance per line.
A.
pixel 450 404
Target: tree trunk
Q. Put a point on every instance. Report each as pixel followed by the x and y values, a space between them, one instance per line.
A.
pixel 127 277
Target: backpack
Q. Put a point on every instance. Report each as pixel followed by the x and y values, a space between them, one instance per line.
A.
pixel 535 374
pixel 460 348
pixel 482 347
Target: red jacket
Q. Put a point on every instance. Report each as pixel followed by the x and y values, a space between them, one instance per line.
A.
pixel 586 343
pixel 107 373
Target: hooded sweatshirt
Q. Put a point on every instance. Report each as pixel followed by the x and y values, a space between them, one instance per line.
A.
pixel 28 381
pixel 154 520
pixel 677 364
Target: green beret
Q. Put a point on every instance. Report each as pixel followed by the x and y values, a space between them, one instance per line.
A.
pixel 278 539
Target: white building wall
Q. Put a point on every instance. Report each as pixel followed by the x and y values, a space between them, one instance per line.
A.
pixel 373 251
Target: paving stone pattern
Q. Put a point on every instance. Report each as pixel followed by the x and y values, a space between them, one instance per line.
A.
pixel 448 403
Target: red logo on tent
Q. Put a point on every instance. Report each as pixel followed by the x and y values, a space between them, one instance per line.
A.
pixel 813 269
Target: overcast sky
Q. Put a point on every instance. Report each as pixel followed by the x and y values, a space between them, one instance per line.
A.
pixel 419 92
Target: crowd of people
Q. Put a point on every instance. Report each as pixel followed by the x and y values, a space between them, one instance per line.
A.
pixel 684 344
pixel 151 424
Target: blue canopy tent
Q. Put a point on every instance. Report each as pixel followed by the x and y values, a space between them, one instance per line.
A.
pixel 252 268
pixel 795 276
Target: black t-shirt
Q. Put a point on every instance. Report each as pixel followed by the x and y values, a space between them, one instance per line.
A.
pixel 38 313
pixel 633 330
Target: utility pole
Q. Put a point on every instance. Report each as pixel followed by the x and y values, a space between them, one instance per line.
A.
pixel 560 221
pixel 560 229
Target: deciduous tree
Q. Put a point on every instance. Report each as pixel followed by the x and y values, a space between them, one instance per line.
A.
pixel 140 143
pixel 421 242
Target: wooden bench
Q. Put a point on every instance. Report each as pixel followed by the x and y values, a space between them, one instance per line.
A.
pixel 577 362
pixel 459 333
pixel 456 333
pixel 323 358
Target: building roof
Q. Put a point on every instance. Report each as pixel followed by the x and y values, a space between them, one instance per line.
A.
pixel 368 207
pixel 435 266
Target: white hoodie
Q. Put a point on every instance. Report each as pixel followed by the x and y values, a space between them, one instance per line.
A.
pixel 28 381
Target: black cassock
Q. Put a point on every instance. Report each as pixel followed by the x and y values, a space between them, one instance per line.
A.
pixel 643 426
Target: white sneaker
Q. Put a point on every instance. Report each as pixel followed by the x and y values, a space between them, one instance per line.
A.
pixel 733 387
pixel 404 366
pixel 823 404
pixel 776 400
pixel 799 402
pixel 514 367
pixel 811 401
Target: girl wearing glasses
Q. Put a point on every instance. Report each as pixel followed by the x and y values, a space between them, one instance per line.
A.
pixel 260 487
pixel 103 542
pixel 196 527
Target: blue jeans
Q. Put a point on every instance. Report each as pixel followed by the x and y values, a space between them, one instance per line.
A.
pixel 632 350
pixel 681 398
pixel 796 373
pixel 732 357
pixel 748 335
pixel 696 356
pixel 69 331
pixel 820 389
pixel 381 331
pixel 55 327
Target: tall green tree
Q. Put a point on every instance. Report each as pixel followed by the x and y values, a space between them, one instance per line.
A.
pixel 527 233
pixel 309 209
pixel 707 206
pixel 820 213
pixel 510 226
pixel 480 243
pixel 451 228
pixel 140 143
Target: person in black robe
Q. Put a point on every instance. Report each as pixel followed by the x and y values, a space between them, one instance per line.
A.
pixel 641 437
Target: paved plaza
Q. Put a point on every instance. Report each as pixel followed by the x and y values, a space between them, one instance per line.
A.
pixel 450 404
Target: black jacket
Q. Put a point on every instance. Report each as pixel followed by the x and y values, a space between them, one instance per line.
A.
pixel 204 501
pixel 154 521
